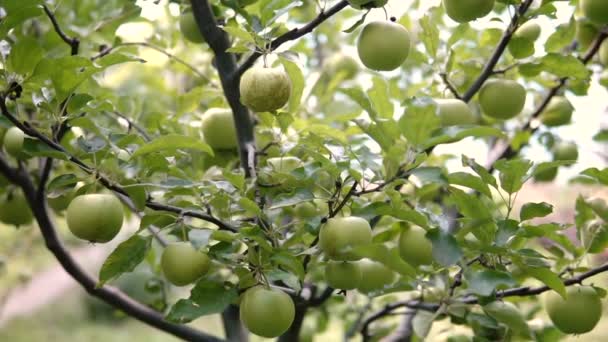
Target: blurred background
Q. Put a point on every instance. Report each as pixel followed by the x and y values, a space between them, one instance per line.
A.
pixel 40 302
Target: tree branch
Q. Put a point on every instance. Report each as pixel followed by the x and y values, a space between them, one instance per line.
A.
pixel 233 328
pixel 73 42
pixel 292 35
pixel 108 294
pixel 488 69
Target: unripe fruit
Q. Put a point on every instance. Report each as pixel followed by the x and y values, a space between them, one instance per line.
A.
pixel 15 210
pixel 530 30
pixel 367 4
pixel 565 151
pixel 284 164
pixel 342 64
pixel 586 33
pixel 454 112
pixel 95 217
pixel 306 210
pixel 578 313
pixel 219 130
pixel 502 99
pixel 342 275
pixel 463 11
pixel 339 234
pixel 267 312
pixel 558 112
pixel 383 45
pixel 265 89
pixel 13 141
pixel 374 276
pixel 595 10
pixel 414 247
pixel 182 264
pixel 189 27
pixel 547 175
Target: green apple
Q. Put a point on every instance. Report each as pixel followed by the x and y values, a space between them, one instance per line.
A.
pixel 13 142
pixel 343 65
pixel 367 4
pixel 267 312
pixel 454 112
pixel 558 112
pixel 14 209
pixel 414 247
pixel 265 89
pixel 284 164
pixel 547 175
pixel 374 276
pixel 219 130
pixel 586 33
pixel 182 264
pixel 383 45
pixel 530 30
pixel 502 99
pixel 565 151
pixel 189 27
pixel 603 53
pixel 339 234
pixel 95 217
pixel 343 275
pixel 463 11
pixel 579 313
pixel 306 210
pixel 595 10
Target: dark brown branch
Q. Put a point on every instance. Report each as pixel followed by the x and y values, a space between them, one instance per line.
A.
pixel 28 129
pixel 73 42
pixel 108 294
pixel 293 35
pixel 500 49
pixel 132 124
pixel 449 85
pixel 233 328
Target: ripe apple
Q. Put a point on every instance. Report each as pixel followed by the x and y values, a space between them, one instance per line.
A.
pixel 558 112
pixel 343 275
pixel 374 276
pixel 565 151
pixel 454 112
pixel 530 30
pixel 189 27
pixel 547 175
pixel 578 313
pixel 463 11
pixel 383 45
pixel 13 142
pixel 339 234
pixel 367 4
pixel 219 130
pixel 265 89
pixel 414 247
pixel 340 64
pixel 14 209
pixel 603 53
pixel 586 33
pixel 508 314
pixel 182 264
pixel 95 217
pixel 595 10
pixel 502 99
pixel 267 312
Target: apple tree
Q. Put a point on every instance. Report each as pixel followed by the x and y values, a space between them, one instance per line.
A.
pixel 281 159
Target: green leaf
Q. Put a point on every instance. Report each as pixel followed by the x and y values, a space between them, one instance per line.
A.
pixel 124 258
pixel 137 194
pixel 238 32
pixel 564 66
pixel 548 278
pixel 291 199
pixel 290 262
pixel 532 210
pixel 297 84
pixel 512 173
pixel 429 35
pixel 359 96
pixel 419 121
pixel 561 37
pixel 17 11
pixel 446 250
pixel 379 96
pixel 485 283
pixel 470 181
pixel 206 298
pixel 454 134
pixel 25 55
pixel 387 256
pixel 480 170
pixel 171 143
pixel 250 206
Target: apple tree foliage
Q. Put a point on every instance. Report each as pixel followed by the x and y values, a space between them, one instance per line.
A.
pixel 350 150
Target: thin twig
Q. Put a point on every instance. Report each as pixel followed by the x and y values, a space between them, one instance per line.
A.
pixel 73 42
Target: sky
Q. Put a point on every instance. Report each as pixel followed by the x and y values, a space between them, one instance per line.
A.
pixel 587 119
